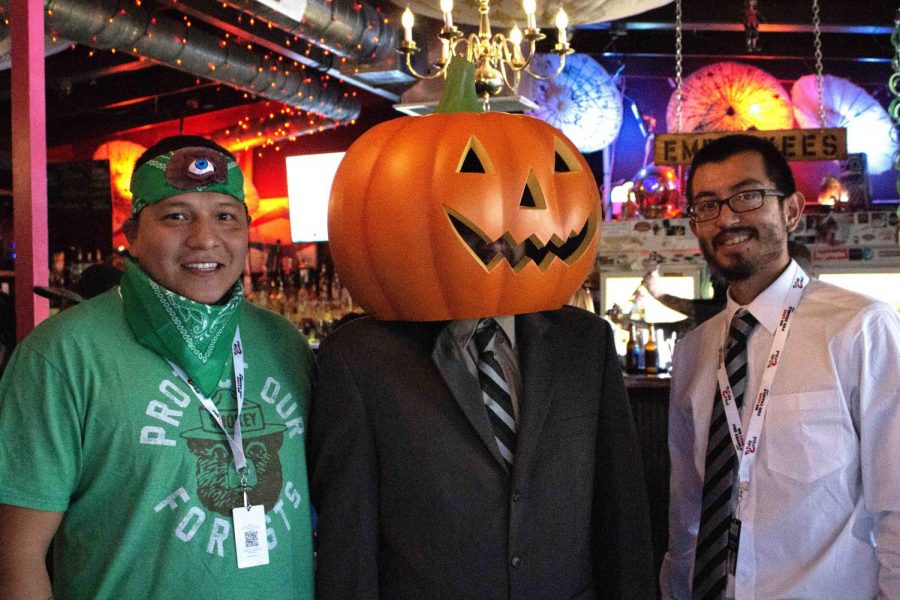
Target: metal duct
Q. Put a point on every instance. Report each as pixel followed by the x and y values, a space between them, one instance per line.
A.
pixel 350 28
pixel 106 24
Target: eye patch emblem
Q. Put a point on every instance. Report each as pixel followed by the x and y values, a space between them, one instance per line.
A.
pixel 195 166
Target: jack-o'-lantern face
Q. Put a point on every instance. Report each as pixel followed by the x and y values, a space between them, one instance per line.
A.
pixel 463 215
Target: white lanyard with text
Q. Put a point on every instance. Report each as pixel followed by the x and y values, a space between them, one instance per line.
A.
pixel 249 521
pixel 234 442
pixel 746 447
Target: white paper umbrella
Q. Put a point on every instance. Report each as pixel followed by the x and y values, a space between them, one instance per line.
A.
pixel 847 105
pixel 506 12
pixel 582 101
pixel 729 96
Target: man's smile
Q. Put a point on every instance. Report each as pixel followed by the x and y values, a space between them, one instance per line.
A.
pixel 733 237
pixel 201 267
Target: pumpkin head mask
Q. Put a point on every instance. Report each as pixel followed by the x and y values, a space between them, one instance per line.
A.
pixel 462 215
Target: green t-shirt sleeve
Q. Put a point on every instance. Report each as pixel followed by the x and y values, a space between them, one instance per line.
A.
pixel 40 425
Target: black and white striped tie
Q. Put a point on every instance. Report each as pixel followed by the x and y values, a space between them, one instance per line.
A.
pixel 495 390
pixel 710 576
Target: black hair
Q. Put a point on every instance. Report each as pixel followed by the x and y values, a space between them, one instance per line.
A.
pixel 718 150
pixel 175 142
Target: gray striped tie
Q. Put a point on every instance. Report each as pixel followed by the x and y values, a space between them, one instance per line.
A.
pixel 710 576
pixel 495 390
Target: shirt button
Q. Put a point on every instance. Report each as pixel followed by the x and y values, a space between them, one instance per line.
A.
pixel 744 575
pixel 516 496
pixel 516 561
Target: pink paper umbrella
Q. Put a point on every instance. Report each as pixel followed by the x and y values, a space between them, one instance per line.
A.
pixel 847 105
pixel 729 96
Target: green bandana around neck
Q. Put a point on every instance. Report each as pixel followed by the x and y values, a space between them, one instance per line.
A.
pixel 195 336
pixel 188 169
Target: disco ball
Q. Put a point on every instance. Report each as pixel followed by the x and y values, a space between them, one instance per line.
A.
pixel 657 192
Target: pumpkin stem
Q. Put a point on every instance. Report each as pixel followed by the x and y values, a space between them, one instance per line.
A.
pixel 459 88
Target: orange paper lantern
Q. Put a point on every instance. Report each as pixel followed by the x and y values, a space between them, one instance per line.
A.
pixel 462 215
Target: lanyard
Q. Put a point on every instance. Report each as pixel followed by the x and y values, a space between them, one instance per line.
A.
pixel 746 447
pixel 236 442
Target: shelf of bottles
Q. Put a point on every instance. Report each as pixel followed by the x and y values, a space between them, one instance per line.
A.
pixel 314 301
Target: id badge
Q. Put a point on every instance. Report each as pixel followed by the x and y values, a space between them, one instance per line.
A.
pixel 250 536
pixel 734 538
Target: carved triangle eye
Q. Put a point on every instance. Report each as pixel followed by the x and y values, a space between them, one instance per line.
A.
pixel 561 166
pixel 471 163
pixel 565 161
pixel 475 158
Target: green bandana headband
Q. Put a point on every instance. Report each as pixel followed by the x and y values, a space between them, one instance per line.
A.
pixel 189 169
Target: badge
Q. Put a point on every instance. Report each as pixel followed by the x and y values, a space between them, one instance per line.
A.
pixel 734 537
pixel 250 536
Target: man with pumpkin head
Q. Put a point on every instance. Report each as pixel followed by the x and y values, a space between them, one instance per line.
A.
pixel 149 430
pixel 473 439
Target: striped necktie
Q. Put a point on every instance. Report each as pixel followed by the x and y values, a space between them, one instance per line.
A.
pixel 495 390
pixel 710 576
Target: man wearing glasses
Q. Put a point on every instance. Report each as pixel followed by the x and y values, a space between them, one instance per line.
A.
pixel 784 422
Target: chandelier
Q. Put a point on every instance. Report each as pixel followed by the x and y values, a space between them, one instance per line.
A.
pixel 499 59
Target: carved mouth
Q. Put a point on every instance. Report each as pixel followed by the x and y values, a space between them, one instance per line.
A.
pixel 518 254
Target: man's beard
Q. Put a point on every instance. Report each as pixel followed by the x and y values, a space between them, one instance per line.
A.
pixel 743 267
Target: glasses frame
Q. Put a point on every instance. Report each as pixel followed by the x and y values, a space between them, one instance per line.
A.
pixel 765 193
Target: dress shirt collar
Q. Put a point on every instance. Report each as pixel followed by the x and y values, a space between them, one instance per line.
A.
pixel 766 307
pixel 463 330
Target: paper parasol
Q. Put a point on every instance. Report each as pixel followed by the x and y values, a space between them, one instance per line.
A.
pixel 506 12
pixel 729 96
pixel 583 101
pixel 847 105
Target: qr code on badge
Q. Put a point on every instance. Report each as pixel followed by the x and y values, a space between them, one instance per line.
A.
pixel 251 538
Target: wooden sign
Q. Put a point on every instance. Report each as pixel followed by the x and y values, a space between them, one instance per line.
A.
pixel 794 144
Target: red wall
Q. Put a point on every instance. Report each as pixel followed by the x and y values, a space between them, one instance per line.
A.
pixel 269 170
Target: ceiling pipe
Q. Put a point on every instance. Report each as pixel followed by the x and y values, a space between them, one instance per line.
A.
pixel 277 40
pixel 121 25
pixel 351 28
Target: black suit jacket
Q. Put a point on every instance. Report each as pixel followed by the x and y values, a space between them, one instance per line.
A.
pixel 413 499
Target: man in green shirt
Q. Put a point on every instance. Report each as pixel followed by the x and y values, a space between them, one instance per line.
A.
pixel 156 432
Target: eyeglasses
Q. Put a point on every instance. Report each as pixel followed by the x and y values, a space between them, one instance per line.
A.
pixel 744 201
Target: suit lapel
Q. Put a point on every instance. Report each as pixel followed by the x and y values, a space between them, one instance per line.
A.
pixel 538 348
pixel 465 390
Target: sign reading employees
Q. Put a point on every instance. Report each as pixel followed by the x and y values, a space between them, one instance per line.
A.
pixel 794 144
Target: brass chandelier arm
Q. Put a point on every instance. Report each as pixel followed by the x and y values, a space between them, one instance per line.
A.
pixel 409 51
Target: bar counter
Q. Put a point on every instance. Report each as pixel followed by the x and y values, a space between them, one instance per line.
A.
pixel 649 397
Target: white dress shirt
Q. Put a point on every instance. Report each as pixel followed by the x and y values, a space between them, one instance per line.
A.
pixel 821 518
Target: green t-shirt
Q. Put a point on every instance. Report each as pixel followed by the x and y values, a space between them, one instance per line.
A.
pixel 99 427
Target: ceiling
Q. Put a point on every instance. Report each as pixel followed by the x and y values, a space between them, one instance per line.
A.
pixel 96 93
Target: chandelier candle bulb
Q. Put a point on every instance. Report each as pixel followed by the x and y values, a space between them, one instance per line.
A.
pixel 515 36
pixel 562 21
pixel 530 7
pixel 407 20
pixel 447 9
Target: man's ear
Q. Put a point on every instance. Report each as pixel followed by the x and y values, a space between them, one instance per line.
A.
pixel 793 210
pixel 130 229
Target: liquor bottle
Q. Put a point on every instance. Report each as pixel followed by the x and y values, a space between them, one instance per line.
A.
pixel 632 351
pixel 651 354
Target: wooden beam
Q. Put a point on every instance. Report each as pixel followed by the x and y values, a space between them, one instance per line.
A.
pixel 29 162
